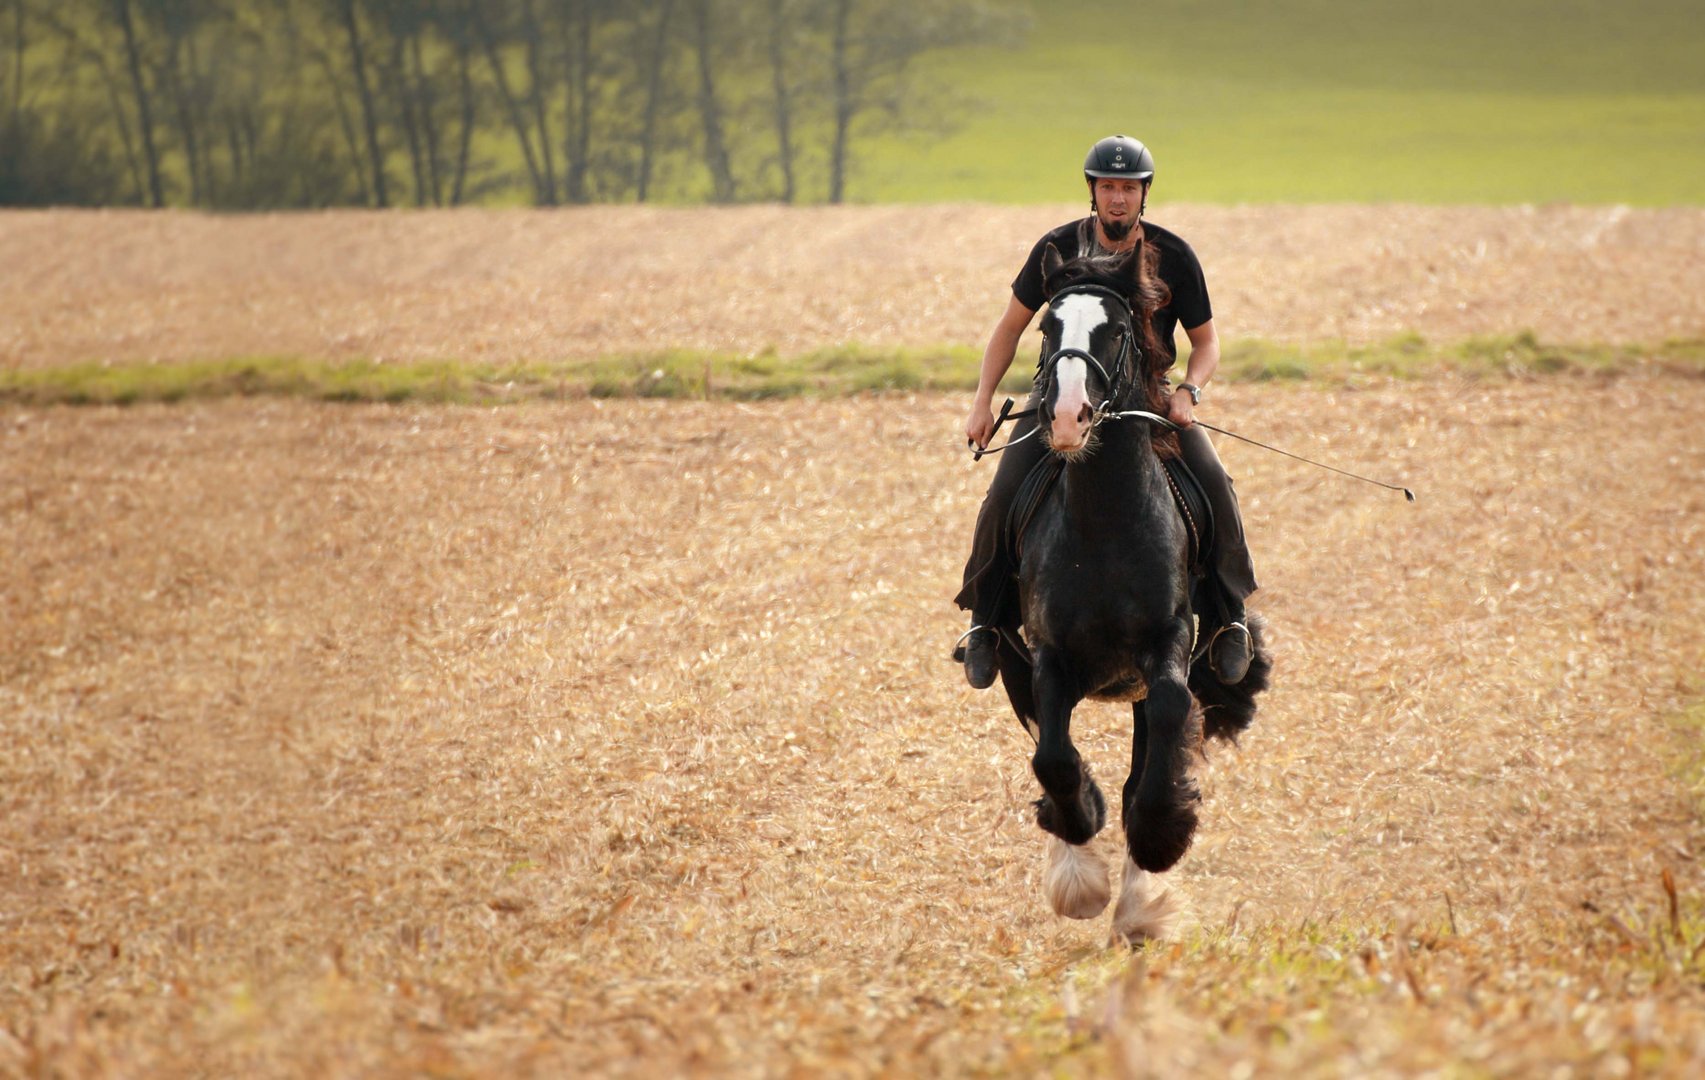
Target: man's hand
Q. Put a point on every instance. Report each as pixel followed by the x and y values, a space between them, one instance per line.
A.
pixel 1182 410
pixel 980 425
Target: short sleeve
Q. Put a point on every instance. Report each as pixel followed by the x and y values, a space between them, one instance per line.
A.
pixel 1027 286
pixel 1189 290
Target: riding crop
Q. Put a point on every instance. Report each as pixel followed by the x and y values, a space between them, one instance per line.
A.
pixel 1164 422
pixel 1410 495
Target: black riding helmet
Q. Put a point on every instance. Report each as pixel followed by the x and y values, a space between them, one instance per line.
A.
pixel 1119 156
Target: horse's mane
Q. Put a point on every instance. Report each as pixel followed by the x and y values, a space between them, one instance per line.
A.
pixel 1146 294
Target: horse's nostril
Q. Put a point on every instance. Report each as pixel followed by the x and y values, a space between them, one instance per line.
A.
pixel 1083 414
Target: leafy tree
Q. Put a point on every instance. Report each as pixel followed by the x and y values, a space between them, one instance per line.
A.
pixel 275 103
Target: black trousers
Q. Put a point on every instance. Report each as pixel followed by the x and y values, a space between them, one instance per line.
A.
pixel 989 586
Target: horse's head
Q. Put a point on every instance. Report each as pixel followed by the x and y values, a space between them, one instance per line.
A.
pixel 1091 344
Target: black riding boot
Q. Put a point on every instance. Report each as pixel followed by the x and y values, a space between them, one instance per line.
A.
pixel 978 654
pixel 1230 650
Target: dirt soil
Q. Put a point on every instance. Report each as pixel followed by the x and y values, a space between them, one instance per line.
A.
pixel 538 285
pixel 618 737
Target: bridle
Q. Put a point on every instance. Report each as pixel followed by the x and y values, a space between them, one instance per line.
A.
pixel 1115 383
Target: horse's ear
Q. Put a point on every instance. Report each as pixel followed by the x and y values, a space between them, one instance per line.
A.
pixel 1051 261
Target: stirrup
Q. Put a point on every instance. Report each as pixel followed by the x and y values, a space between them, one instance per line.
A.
pixel 959 646
pixel 1248 651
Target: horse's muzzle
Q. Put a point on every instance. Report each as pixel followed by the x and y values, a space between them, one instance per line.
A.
pixel 1069 434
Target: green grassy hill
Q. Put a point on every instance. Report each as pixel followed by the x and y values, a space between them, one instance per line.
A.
pixel 1498 101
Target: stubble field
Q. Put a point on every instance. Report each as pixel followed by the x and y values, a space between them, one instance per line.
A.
pixel 616 737
pixel 528 285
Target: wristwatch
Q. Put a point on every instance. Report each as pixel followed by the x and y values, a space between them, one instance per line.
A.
pixel 1193 390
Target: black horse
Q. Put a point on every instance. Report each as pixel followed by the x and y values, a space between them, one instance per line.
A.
pixel 1105 598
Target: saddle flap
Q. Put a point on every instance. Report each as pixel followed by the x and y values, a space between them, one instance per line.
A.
pixel 1035 488
pixel 1197 513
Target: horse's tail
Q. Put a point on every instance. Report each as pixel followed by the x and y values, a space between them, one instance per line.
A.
pixel 1227 711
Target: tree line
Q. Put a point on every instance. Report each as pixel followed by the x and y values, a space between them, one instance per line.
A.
pixel 248 104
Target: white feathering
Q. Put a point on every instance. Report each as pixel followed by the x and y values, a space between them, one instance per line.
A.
pixel 1075 880
pixel 1149 909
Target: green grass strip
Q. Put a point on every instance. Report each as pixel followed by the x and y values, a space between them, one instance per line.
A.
pixel 835 372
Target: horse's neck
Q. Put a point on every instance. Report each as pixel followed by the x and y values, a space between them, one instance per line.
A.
pixel 1122 473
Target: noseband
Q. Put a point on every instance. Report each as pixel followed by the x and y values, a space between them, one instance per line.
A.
pixel 1115 383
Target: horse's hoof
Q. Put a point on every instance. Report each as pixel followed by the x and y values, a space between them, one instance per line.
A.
pixel 1149 909
pixel 1075 880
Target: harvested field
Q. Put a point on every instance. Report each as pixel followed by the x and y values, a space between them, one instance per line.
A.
pixel 523 285
pixel 617 738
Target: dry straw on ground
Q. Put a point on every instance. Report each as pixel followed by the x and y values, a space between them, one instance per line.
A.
pixel 502 286
pixel 616 738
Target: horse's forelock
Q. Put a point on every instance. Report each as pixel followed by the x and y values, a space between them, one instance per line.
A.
pixel 1088 270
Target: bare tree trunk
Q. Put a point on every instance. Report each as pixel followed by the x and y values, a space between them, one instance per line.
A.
pixel 396 75
pixel 578 148
pixel 122 119
pixel 536 98
pixel 144 112
pixel 234 147
pixel 251 139
pixel 115 101
pixel 843 104
pixel 350 139
pixel 186 124
pixel 428 125
pixel 465 76
pixel 200 116
pixel 716 148
pixel 17 63
pixel 653 94
pixel 784 97
pixel 511 103
pixel 365 92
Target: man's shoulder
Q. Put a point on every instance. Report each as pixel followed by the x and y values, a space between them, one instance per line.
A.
pixel 1165 239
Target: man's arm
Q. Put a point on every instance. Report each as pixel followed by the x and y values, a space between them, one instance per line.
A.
pixel 997 358
pixel 1204 361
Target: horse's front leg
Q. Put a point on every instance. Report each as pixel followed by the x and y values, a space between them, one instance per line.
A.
pixel 1071 807
pixel 1160 810
pixel 1148 907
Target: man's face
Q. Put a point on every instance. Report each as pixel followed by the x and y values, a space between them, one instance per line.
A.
pixel 1117 202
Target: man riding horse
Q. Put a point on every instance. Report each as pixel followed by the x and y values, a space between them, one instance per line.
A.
pixel 1118 171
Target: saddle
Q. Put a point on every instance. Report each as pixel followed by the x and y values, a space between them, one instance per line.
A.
pixel 1187 494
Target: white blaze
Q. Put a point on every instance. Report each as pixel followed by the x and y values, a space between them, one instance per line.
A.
pixel 1079 317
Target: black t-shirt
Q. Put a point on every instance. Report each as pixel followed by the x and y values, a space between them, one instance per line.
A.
pixel 1179 268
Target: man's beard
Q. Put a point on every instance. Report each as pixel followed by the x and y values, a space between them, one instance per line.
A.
pixel 1117 230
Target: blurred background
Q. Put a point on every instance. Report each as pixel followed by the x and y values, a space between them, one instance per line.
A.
pixel 257 104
